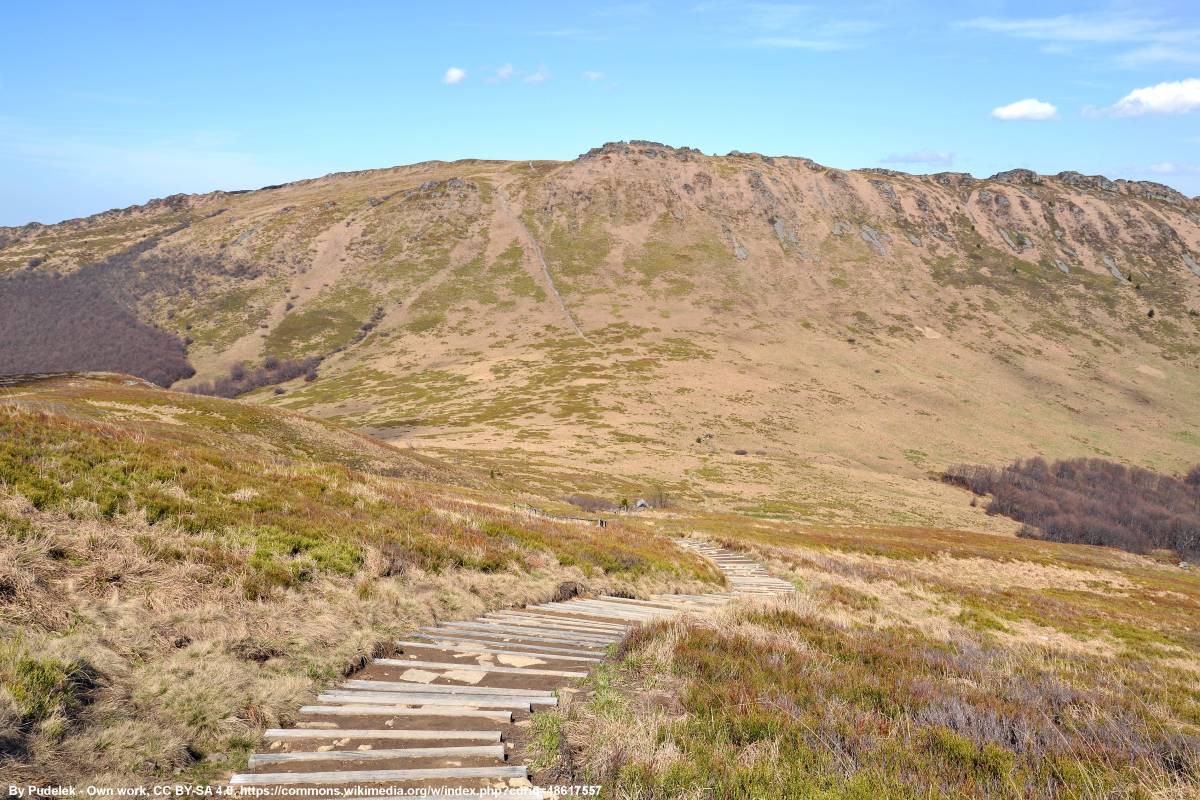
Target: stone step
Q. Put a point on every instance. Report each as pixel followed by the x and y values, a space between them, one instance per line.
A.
pixel 405 699
pixel 473 639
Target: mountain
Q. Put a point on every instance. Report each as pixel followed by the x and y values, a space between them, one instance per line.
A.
pixel 762 334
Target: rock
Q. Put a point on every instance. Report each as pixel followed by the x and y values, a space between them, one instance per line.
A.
pixel 885 189
pixel 1020 177
pixel 841 227
pixel 1155 191
pixel 739 251
pixel 916 240
pixel 953 179
pixel 1079 181
pixel 1062 267
pixel 1191 264
pixel 1017 243
pixel 1184 565
pixel 783 231
pixel 1112 267
pixel 876 239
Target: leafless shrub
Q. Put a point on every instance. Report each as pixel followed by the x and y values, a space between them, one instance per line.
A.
pixel 67 324
pixel 1092 501
pixel 241 379
pixel 589 503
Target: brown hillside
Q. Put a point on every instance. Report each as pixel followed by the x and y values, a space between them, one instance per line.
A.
pixel 639 315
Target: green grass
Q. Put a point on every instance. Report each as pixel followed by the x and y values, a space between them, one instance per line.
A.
pixel 332 320
pixel 269 521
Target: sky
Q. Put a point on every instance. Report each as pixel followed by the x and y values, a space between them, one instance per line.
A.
pixel 104 105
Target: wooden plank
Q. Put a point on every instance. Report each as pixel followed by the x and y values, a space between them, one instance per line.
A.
pixel 431 698
pixel 437 688
pixel 437 699
pixel 474 638
pixel 559 619
pixel 627 612
pixel 374 775
pixel 493 631
pixel 531 630
pixel 561 614
pixel 404 699
pixel 486 751
pixel 392 711
pixel 482 650
pixel 622 610
pixel 397 662
pixel 381 733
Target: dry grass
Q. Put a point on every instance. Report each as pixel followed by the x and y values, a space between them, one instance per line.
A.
pixel 168 588
pixel 985 672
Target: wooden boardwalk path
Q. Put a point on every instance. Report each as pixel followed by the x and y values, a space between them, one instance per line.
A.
pixel 442 715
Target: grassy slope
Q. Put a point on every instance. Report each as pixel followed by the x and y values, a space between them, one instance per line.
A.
pixel 177 572
pixel 847 370
pixel 914 663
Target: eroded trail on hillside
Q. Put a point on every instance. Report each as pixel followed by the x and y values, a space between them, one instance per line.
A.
pixel 539 256
pixel 444 714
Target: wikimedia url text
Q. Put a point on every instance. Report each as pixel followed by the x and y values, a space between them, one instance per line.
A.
pixel 181 790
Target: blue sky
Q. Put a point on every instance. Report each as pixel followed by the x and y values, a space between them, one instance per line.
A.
pixel 109 104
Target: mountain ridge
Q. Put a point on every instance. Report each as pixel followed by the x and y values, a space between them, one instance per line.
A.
pixel 752 326
pixel 1152 190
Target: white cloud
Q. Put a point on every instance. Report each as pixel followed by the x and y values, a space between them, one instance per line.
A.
pixel 933 158
pixel 454 75
pixel 505 72
pixel 593 75
pixel 1173 168
pixel 1169 97
pixel 1029 108
pixel 541 76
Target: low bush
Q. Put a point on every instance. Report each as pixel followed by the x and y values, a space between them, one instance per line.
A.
pixel 1092 501
pixel 242 379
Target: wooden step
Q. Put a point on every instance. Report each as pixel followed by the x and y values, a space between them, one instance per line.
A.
pixel 486 751
pixel 558 620
pixel 356 777
pixel 512 629
pixel 493 651
pixel 493 631
pixel 393 711
pixel 461 637
pixel 396 662
pixel 405 699
pixel 437 688
pixel 282 734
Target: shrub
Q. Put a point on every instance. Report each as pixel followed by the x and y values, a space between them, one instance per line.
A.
pixel 1092 501
pixel 70 324
pixel 241 379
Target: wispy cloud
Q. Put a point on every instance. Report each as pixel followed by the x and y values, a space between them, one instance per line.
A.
pixel 196 161
pixel 1171 168
pixel 792 26
pixel 1141 38
pixel 624 10
pixel 454 75
pixel 593 75
pixel 541 75
pixel 1028 109
pixel 932 158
